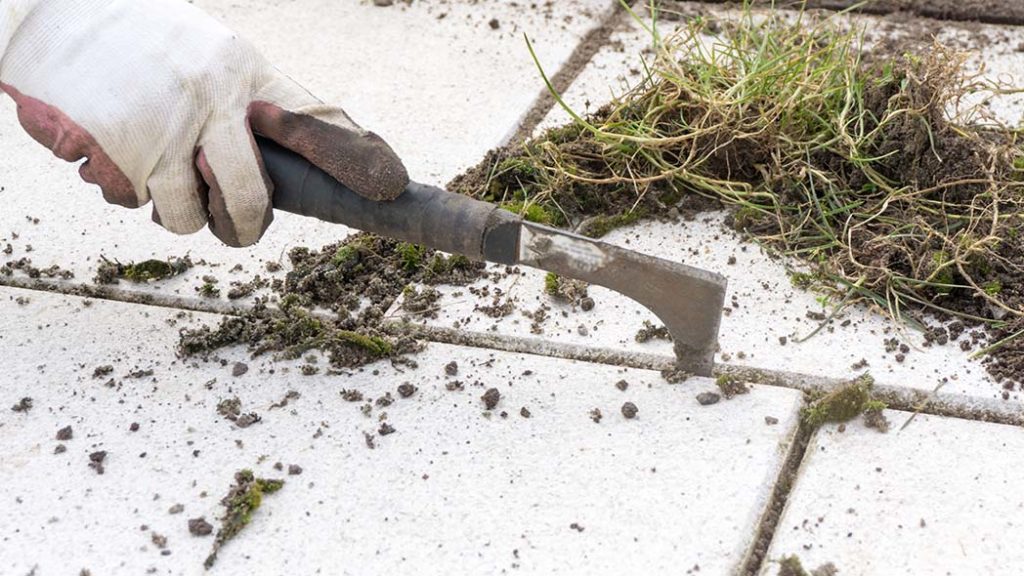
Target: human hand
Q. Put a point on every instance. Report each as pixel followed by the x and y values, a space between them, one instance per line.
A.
pixel 163 101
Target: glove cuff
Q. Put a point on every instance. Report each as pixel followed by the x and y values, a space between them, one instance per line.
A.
pixel 12 14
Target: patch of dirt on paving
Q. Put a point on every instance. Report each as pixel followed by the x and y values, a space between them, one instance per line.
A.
pixel 352 283
pixel 791 566
pixel 849 163
pixel 241 502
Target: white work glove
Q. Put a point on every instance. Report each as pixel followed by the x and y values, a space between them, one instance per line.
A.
pixel 163 101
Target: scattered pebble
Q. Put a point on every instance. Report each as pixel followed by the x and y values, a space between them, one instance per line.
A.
pixel 708 398
pixel 576 526
pixel 176 509
pixel 23 405
pixel 239 369
pixel 629 410
pixel 199 527
pixel 65 434
pixel 622 385
pixel 294 469
pixel 406 390
pixel 596 415
pixel 771 420
pixel 386 429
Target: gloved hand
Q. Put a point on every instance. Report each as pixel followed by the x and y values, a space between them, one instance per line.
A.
pixel 163 101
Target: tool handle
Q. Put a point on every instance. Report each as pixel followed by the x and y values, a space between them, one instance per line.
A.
pixel 421 215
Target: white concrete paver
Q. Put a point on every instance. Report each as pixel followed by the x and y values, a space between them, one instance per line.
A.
pixel 764 305
pixel 940 497
pixel 433 78
pixel 450 492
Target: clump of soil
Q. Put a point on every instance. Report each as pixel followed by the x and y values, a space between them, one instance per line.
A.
pixel 24 265
pixel 241 502
pixel 854 165
pixel 23 405
pixel 352 283
pixel 96 460
pixel 569 290
pixel 844 404
pixel 199 527
pixel 791 566
pixel 112 272
pixel 731 386
pixel 491 398
pixel 231 409
pixel 651 332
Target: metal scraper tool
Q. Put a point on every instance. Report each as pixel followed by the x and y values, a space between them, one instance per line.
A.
pixel 687 300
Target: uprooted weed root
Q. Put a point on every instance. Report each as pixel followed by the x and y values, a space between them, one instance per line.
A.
pixel 351 284
pixel 859 168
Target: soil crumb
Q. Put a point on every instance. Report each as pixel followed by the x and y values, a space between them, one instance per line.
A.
pixel 731 386
pixel 199 527
pixel 491 398
pixel 241 502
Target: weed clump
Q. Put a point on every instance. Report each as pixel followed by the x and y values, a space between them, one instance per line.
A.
pixel 857 166
pixel 241 502
pixel 112 272
pixel 333 300
pixel 844 404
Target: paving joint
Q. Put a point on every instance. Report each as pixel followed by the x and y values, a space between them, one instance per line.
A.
pixel 585 50
pixel 935 403
pixel 755 558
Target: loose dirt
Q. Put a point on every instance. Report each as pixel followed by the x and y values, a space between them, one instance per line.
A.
pixel 333 300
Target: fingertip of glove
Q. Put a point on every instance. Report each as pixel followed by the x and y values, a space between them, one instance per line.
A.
pixel 361 160
pixel 385 175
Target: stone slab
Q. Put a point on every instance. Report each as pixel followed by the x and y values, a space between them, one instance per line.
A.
pixel 940 497
pixel 454 490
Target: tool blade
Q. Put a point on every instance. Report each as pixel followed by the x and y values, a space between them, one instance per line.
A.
pixel 687 300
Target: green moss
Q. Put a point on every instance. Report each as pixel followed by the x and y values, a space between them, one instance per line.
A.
pixel 374 345
pixel 109 272
pixel 601 225
pixel 842 404
pixel 346 255
pixel 731 385
pixel 552 284
pixel 791 566
pixel 993 288
pixel 242 501
pixel 208 290
pixel 534 212
pixel 943 272
pixel 411 255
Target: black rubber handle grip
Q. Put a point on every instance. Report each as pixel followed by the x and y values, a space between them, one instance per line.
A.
pixel 422 214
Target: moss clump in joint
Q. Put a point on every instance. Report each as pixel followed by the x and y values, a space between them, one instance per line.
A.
pixel 241 503
pixel 842 404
